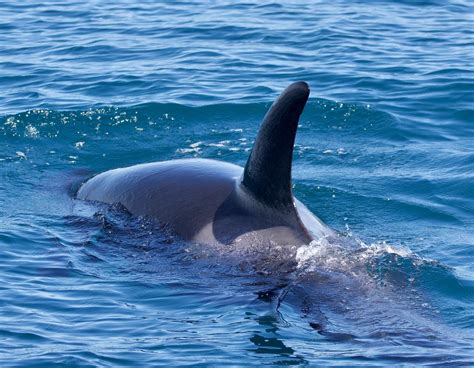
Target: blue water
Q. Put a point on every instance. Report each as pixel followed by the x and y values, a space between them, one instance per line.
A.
pixel 384 155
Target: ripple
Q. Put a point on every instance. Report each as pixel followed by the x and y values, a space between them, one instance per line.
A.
pixel 383 155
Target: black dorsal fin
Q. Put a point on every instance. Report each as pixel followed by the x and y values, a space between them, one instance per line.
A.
pixel 267 173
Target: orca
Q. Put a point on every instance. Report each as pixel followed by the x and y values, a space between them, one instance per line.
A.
pixel 214 202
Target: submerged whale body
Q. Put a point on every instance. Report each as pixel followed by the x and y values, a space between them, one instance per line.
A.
pixel 214 202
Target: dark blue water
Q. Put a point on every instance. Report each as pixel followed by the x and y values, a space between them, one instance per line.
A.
pixel 384 155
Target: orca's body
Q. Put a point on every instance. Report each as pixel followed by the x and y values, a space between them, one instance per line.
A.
pixel 210 201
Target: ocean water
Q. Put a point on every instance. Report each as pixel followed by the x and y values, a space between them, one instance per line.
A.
pixel 384 156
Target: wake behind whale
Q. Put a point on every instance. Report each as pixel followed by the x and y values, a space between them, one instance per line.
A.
pixel 336 288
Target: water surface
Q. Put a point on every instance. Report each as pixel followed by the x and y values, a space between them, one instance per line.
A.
pixel 384 155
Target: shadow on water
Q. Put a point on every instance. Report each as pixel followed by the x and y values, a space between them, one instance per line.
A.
pixel 269 343
pixel 362 297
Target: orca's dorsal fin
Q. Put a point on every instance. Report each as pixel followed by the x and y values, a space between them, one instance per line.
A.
pixel 267 174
